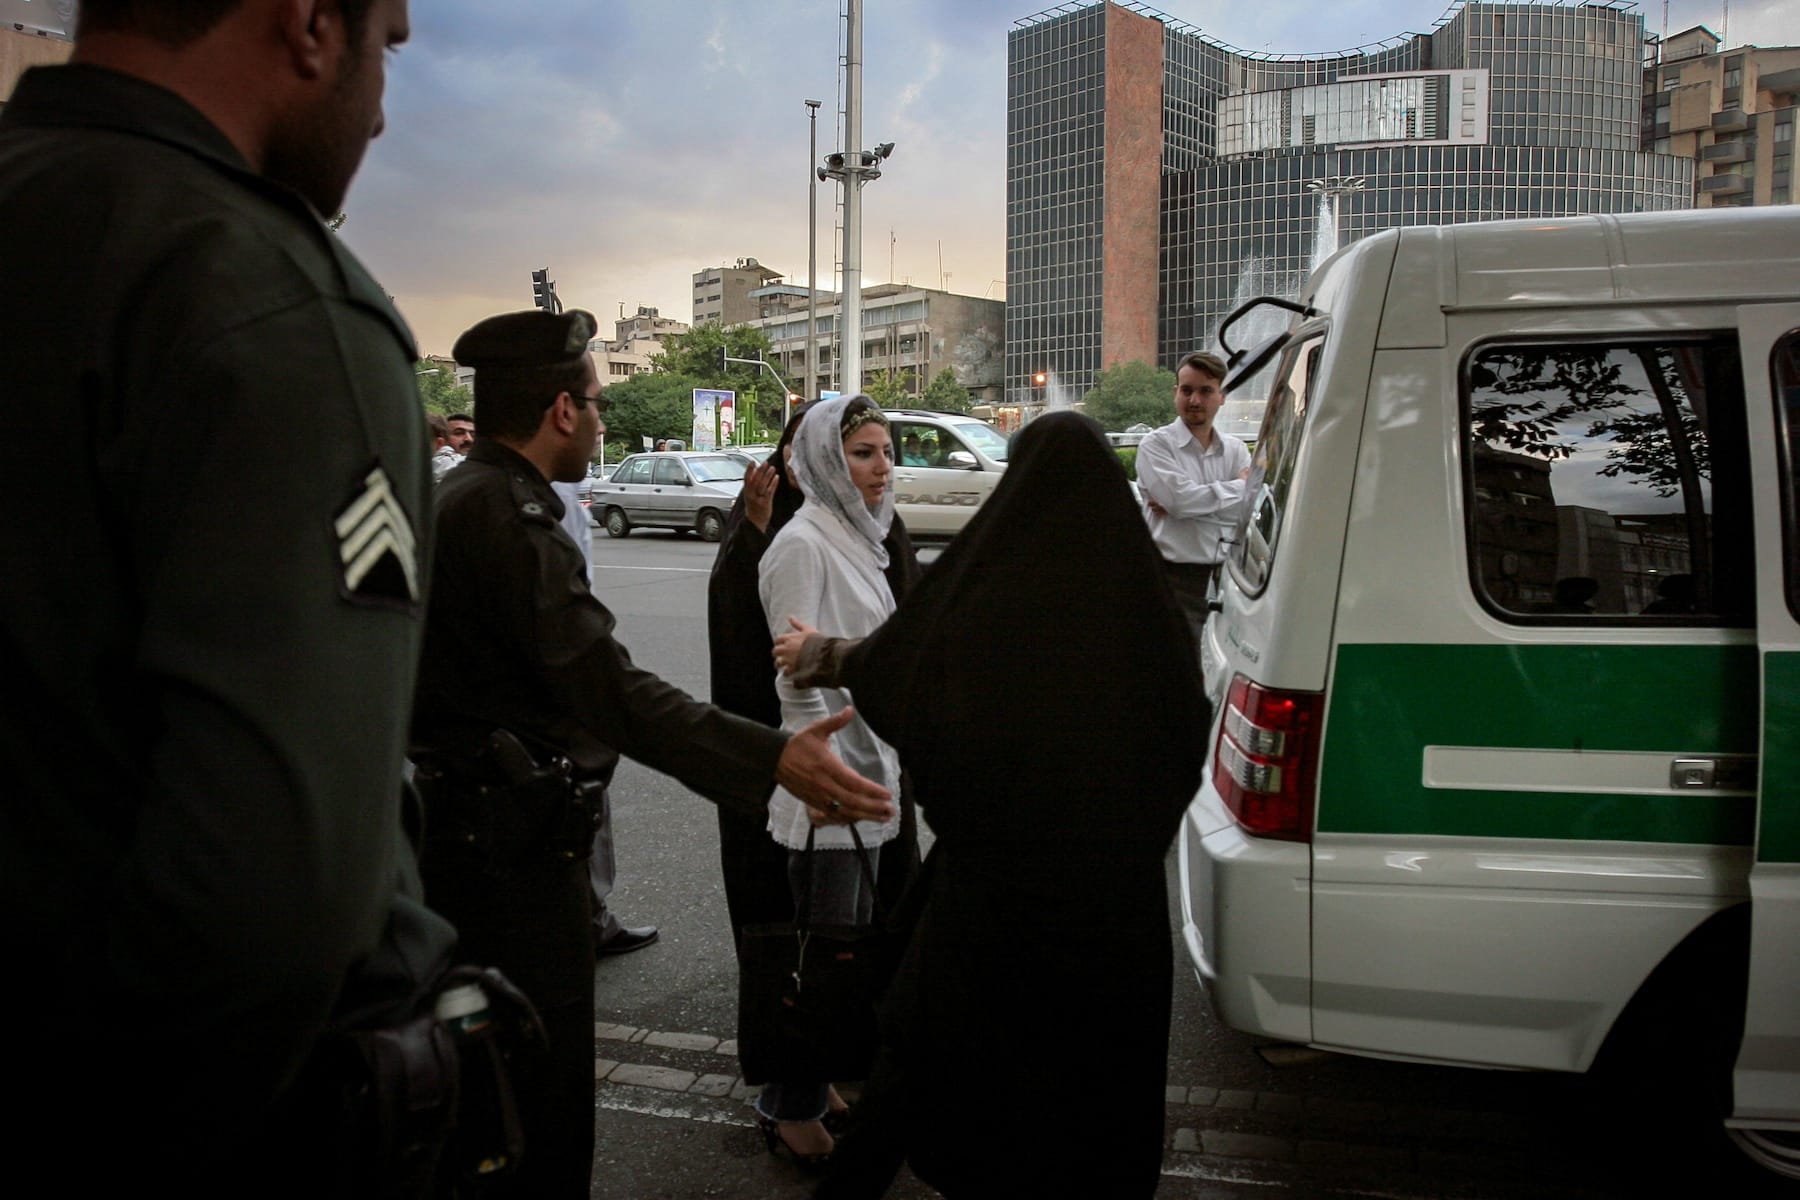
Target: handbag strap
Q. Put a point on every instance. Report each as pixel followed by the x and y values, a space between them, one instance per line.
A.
pixel 803 911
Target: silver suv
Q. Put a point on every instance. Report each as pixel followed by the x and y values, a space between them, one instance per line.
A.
pixel 945 466
pixel 686 489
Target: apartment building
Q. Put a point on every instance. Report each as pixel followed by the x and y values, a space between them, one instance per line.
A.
pixel 635 339
pixel 1729 111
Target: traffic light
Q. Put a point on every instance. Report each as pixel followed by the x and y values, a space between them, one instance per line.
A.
pixel 540 290
pixel 723 354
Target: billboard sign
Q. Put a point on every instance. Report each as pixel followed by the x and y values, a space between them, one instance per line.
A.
pixel 707 402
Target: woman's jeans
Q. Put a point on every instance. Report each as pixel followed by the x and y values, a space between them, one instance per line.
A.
pixel 840 896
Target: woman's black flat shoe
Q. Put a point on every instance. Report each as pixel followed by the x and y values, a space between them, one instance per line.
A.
pixel 771 1131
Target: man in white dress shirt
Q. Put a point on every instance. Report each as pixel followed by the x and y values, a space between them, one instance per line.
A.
pixel 1192 479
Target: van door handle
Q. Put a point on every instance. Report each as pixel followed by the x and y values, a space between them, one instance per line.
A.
pixel 1725 772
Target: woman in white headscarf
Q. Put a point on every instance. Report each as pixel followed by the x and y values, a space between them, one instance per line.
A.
pixel 825 568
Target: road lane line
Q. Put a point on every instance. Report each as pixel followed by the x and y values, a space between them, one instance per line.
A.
pixel 1212 1174
pixel 611 1101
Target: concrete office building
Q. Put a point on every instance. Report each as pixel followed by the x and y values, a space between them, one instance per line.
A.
pixel 913 332
pixel 722 294
pixel 635 339
pixel 1730 111
pixel 1156 176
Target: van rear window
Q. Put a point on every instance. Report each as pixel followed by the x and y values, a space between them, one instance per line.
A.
pixel 1272 463
pixel 1608 480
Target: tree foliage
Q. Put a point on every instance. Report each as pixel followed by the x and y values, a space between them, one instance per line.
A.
pixel 438 390
pixel 695 356
pixel 651 404
pixel 944 394
pixel 890 389
pixel 1131 393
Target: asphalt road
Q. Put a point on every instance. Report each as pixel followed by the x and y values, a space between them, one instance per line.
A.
pixel 1244 1118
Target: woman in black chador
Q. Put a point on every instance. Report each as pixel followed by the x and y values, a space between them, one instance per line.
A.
pixel 1041 687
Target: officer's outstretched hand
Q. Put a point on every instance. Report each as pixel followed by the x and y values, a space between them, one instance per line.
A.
pixel 832 792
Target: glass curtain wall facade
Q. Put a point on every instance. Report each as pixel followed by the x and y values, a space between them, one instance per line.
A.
pixel 1506 110
pixel 1055 129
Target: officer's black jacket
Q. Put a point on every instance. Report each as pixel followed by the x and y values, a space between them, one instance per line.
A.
pixel 204 720
pixel 515 640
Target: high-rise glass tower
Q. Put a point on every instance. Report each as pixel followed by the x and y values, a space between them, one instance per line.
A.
pixel 1156 175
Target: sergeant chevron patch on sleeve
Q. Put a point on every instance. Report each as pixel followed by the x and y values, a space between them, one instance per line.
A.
pixel 377 552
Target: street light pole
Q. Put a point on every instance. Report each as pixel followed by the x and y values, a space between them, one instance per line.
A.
pixel 852 167
pixel 812 259
pixel 850 304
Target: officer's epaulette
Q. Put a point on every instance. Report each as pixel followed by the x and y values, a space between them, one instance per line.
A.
pixel 529 500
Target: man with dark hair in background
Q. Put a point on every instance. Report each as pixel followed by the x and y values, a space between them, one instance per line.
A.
pixel 526 702
pixel 462 433
pixel 442 456
pixel 202 861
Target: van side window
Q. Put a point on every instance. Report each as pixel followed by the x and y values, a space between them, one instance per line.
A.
pixel 1785 376
pixel 1272 463
pixel 1609 480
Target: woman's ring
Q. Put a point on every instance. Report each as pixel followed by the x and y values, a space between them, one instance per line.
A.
pixel 835 806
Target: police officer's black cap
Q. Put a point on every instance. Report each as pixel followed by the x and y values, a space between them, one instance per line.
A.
pixel 532 338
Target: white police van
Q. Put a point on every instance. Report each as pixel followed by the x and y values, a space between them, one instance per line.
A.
pixel 1505 766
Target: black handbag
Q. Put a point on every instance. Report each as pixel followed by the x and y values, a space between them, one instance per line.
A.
pixel 807 993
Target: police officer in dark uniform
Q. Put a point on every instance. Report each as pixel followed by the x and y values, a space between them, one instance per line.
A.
pixel 525 703
pixel 209 629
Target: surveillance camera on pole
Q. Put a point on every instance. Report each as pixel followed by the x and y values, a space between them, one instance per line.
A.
pixel 852 168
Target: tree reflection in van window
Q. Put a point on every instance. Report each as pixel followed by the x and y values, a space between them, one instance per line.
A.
pixel 1592 479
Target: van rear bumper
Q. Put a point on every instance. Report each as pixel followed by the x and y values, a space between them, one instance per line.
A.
pixel 1245 909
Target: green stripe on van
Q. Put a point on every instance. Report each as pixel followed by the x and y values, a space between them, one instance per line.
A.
pixel 1390 701
pixel 1778 838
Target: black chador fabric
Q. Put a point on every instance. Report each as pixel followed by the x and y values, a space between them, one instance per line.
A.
pixel 1041 687
pixel 743 682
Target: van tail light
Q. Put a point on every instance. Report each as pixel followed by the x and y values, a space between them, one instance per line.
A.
pixel 1267 759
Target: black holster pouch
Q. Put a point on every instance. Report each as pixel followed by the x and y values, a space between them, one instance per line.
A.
pixel 425 1107
pixel 509 807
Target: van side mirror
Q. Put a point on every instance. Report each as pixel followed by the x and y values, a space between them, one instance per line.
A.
pixel 962 460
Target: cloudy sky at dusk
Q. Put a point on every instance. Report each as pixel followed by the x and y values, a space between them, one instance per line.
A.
pixel 625 146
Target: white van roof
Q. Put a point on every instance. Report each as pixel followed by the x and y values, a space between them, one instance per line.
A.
pixel 1690 256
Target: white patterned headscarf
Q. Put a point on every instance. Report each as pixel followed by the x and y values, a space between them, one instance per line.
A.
pixel 823 473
